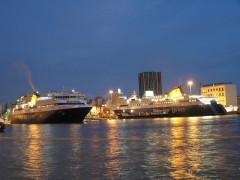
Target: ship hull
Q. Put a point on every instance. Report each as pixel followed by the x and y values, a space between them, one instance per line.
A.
pixel 54 116
pixel 171 111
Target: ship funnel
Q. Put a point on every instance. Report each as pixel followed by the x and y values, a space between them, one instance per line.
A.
pixel 176 92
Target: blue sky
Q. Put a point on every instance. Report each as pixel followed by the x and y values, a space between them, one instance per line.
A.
pixel 94 46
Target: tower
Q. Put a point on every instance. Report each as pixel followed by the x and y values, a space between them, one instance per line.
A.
pixel 150 81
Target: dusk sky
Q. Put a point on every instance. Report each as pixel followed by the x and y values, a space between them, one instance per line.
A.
pixel 97 45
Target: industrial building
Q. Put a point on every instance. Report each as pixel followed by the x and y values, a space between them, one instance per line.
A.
pixel 150 81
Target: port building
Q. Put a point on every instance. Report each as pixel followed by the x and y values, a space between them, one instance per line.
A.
pixel 117 97
pixel 150 81
pixel 226 94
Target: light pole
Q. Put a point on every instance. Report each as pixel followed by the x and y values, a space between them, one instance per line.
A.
pixel 190 83
pixel 110 92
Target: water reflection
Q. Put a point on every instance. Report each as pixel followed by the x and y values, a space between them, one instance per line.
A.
pixel 33 153
pixel 112 151
pixel 74 152
pixel 184 159
pixel 172 148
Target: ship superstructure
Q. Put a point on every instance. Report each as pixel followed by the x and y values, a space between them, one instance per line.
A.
pixel 65 94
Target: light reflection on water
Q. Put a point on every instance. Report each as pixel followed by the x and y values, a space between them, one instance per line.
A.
pixel 168 148
pixel 184 151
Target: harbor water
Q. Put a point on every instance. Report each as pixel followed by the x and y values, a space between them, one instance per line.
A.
pixel 168 148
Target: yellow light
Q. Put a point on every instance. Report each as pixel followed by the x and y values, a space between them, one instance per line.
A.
pixel 190 83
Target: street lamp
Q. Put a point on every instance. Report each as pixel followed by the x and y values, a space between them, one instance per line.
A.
pixel 110 92
pixel 190 83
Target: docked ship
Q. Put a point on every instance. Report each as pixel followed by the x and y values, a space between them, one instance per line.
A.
pixel 173 104
pixel 54 107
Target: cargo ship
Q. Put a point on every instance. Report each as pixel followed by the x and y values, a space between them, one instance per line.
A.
pixel 173 104
pixel 64 107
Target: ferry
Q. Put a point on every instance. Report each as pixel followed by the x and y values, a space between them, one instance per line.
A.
pixel 63 107
pixel 173 104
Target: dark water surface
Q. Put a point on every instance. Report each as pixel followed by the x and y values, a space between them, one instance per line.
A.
pixel 167 148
